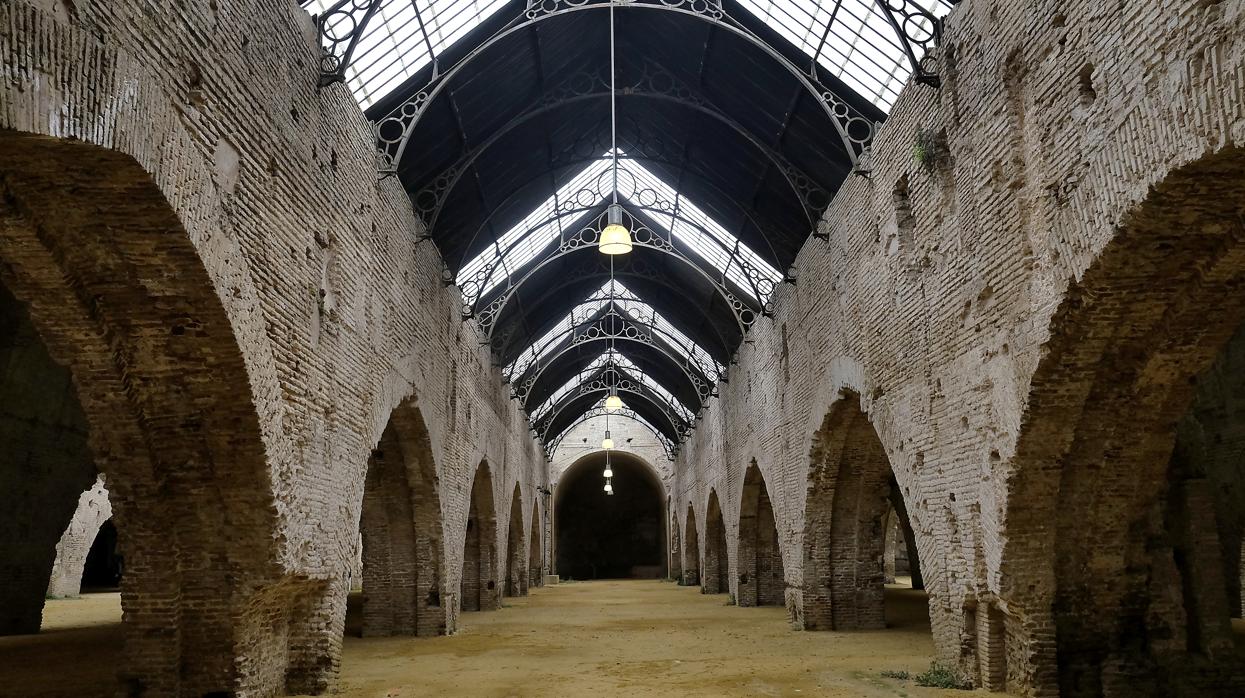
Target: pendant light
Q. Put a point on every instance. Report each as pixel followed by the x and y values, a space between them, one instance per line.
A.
pixel 613 403
pixel 609 469
pixel 607 443
pixel 615 238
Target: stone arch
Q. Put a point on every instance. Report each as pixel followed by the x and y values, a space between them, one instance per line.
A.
pixel 400 522
pixel 715 579
pixel 516 580
pixel 676 543
pixel 1101 588
pixel 536 550
pixel 130 302
pixel 758 557
pixel 478 588
pixel 850 489
pixel 691 550
pixel 93 511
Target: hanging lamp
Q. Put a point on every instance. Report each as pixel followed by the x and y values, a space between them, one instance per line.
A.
pixel 607 443
pixel 615 238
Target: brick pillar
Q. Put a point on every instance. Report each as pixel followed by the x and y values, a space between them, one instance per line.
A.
pixel 93 510
pixel 691 551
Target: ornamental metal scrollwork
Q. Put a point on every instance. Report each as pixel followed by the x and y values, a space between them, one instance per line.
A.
pixel 916 28
pixel 394 130
pixel 760 285
pixel 671 448
pixel 615 326
pixel 340 28
pixel 623 384
pixel 654 82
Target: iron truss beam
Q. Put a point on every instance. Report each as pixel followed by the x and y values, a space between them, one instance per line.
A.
pixel 613 325
pixel 585 239
pixel 595 267
pixel 670 447
pixel 655 83
pixel 623 383
pixel 393 132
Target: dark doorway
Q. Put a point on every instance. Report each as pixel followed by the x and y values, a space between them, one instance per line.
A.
pixel 619 536
pixel 102 571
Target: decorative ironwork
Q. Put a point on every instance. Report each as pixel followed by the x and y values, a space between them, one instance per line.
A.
pixel 622 384
pixel 916 26
pixel 671 448
pixel 654 83
pixel 614 325
pixel 341 27
pixel 737 271
pixel 594 267
pixel 393 132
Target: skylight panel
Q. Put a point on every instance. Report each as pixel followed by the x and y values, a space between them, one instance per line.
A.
pixel 623 364
pixel 708 239
pixel 393 46
pixel 860 48
pixel 632 306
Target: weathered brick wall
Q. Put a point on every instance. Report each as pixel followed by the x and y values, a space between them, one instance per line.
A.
pixel 629 437
pixel 933 297
pixel 334 307
pixel 93 510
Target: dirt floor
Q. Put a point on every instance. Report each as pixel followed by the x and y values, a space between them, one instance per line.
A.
pixel 624 638
pixel 636 638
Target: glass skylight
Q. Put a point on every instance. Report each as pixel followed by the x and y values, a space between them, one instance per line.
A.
pixel 630 304
pixel 394 46
pixel 860 48
pixel 628 370
pixel 520 245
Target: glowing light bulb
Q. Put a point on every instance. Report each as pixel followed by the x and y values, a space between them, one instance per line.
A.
pixel 608 472
pixel 609 488
pixel 613 403
pixel 615 239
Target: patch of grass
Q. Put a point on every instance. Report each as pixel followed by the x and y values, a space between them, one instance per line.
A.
pixel 940 676
pixel 901 675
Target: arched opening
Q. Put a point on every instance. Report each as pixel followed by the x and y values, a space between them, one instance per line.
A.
pixel 103 567
pixel 603 536
pixel 516 549
pixel 80 540
pixel 45 465
pixel 691 550
pixel 535 553
pixel 1124 465
pixel 146 379
pixel 762 579
pixel 901 567
pixel 716 576
pixel 478 588
pixel 400 525
pixel 851 489
pixel 676 546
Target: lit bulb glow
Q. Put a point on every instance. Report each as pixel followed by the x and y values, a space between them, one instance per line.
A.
pixel 608 473
pixel 615 239
pixel 609 487
pixel 607 444
pixel 613 403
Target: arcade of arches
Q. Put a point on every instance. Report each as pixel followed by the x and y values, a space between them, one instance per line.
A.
pixel 306 341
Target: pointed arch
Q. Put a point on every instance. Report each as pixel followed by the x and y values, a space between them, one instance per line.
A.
pixel 400 524
pixel 758 557
pixel 850 487
pixel 516 578
pixel 691 550
pixel 536 549
pixel 715 578
pixel 676 543
pixel 478 588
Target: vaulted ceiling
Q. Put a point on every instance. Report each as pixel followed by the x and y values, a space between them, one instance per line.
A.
pixel 736 124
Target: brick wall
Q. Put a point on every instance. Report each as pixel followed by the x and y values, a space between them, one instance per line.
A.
pixel 93 510
pixel 200 223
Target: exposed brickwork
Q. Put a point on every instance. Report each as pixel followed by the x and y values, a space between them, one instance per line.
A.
pixel 174 213
pixel 515 579
pixel 203 245
pixel 480 588
pixel 93 510
pixel 758 559
pixel 944 297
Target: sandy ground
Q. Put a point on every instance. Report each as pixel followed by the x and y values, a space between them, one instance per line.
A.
pixel 637 638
